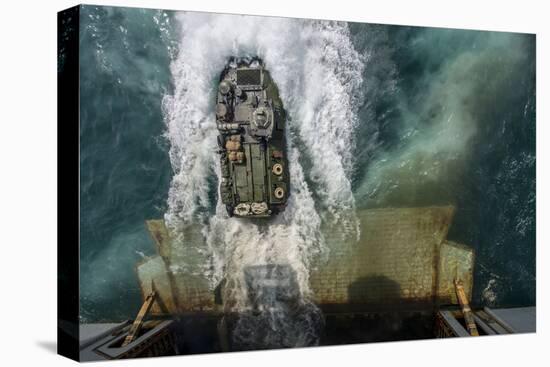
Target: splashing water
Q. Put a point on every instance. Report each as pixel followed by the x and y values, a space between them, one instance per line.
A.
pixel 447 116
pixel 319 78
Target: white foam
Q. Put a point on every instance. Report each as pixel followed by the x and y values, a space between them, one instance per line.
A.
pixel 319 77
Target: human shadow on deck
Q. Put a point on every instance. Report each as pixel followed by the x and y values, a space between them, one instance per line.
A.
pixel 375 311
pixel 376 289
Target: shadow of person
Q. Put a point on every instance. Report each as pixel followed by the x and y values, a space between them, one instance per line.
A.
pixel 375 289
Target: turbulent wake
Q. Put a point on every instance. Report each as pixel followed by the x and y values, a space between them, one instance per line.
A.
pixel 319 75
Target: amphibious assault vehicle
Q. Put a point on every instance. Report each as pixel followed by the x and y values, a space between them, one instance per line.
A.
pixel 251 124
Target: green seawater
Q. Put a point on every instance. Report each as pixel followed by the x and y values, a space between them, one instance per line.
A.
pixel 125 171
pixel 447 116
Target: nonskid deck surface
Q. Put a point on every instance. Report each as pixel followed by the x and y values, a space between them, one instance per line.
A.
pixel 402 260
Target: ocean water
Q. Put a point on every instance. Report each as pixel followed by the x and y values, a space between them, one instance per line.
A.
pixel 125 171
pixel 380 116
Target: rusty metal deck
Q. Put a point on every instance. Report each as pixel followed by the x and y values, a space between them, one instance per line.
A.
pixel 402 260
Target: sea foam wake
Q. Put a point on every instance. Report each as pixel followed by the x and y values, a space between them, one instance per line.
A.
pixel 319 75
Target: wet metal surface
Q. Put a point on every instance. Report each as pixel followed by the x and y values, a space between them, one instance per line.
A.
pixel 402 261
